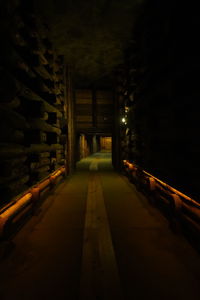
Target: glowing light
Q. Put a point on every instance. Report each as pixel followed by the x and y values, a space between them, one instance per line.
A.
pixel 123 120
pixel 132 166
pixel 126 109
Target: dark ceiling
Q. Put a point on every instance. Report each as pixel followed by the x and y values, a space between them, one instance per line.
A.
pixel 91 34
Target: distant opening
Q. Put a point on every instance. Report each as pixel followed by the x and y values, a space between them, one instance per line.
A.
pixel 106 144
pixel 95 153
pixel 91 144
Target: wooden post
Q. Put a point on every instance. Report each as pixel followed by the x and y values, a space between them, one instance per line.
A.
pixel 70 118
pixel 94 144
pixel 116 146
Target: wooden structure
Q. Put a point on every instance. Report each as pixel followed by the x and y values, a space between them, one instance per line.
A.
pixel 180 209
pixel 157 96
pixel 33 111
pixel 94 110
pixel 106 143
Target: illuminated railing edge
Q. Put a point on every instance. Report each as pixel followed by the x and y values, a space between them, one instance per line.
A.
pixel 132 166
pixel 28 197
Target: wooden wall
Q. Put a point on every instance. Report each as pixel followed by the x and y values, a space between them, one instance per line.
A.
pixel 104 110
pixel 106 143
pixel 32 102
pixel 84 109
pixel 158 92
pixel 94 117
pixel 94 111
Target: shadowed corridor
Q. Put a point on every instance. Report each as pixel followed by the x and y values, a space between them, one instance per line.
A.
pixel 97 237
pixel 80 80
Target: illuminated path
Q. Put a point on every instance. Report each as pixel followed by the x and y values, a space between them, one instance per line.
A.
pixel 97 238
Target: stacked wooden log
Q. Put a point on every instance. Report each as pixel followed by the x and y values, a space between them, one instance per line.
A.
pixel 32 114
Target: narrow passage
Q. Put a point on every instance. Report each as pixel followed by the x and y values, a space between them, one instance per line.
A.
pixel 96 237
pixel 99 275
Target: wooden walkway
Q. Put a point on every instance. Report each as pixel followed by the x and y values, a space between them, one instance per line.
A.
pixel 96 237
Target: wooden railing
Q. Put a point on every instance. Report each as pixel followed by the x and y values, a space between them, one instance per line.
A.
pixel 28 200
pixel 180 206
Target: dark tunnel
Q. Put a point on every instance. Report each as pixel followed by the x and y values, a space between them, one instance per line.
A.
pixel 99 100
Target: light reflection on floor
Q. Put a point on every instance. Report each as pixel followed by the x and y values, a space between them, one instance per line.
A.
pixel 103 160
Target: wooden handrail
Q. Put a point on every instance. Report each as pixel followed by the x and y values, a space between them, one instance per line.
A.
pixel 132 166
pixel 29 197
pixel 180 200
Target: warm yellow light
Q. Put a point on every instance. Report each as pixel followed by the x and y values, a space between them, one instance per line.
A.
pixel 172 189
pixel 132 167
pixel 126 109
pixel 123 120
